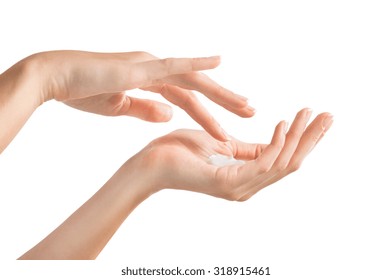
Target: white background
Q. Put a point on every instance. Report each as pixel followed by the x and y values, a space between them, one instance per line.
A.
pixel 330 220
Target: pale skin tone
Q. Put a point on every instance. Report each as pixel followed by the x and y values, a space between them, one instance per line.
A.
pixel 97 83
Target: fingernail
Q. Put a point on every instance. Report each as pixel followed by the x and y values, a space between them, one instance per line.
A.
pixel 251 108
pixel 168 113
pixel 243 98
pixel 285 127
pixel 248 106
pixel 227 137
pixel 327 122
pixel 308 112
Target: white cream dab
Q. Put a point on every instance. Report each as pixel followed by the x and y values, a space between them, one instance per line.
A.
pixel 222 160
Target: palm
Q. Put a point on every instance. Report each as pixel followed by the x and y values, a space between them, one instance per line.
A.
pixel 184 155
pixel 110 104
pixel 179 160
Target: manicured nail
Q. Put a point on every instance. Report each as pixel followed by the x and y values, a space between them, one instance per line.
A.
pixel 308 113
pixel 243 98
pixel 285 127
pixel 248 107
pixel 168 112
pixel 327 122
pixel 227 137
pixel 251 108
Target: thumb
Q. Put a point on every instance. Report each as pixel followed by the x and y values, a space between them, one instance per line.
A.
pixel 147 110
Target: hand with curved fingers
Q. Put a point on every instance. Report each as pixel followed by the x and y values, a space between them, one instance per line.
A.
pixel 179 160
pixel 97 82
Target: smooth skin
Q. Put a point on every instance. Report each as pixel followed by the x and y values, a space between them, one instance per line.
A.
pixel 178 160
pixel 96 83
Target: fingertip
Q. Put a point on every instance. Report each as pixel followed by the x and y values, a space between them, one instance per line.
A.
pixel 248 113
pixel 243 98
pixel 327 122
pixel 225 135
pixel 324 114
pixel 218 133
pixel 280 132
pixel 307 109
pixel 251 109
pixel 281 124
pixel 306 112
pixel 216 59
pixel 320 118
pixel 245 112
pixel 166 114
pixel 285 126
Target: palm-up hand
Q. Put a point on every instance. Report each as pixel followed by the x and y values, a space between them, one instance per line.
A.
pixel 179 160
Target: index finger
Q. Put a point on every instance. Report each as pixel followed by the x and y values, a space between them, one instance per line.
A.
pixel 212 90
pixel 146 73
pixel 245 151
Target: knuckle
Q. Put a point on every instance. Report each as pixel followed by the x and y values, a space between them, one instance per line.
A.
pixel 166 65
pixel 121 105
pixel 189 100
pixel 211 120
pixel 220 90
pixel 166 62
pixel 233 146
pixel 169 63
pixel 143 54
pixel 258 150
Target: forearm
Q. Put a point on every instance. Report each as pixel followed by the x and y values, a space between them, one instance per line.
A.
pixel 19 97
pixel 86 232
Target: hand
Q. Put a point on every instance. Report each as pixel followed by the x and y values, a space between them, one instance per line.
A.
pixel 96 83
pixel 179 160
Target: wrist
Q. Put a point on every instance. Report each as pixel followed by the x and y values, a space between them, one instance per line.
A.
pixel 137 176
pixel 86 232
pixel 23 81
pixel 20 95
pixel 35 73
